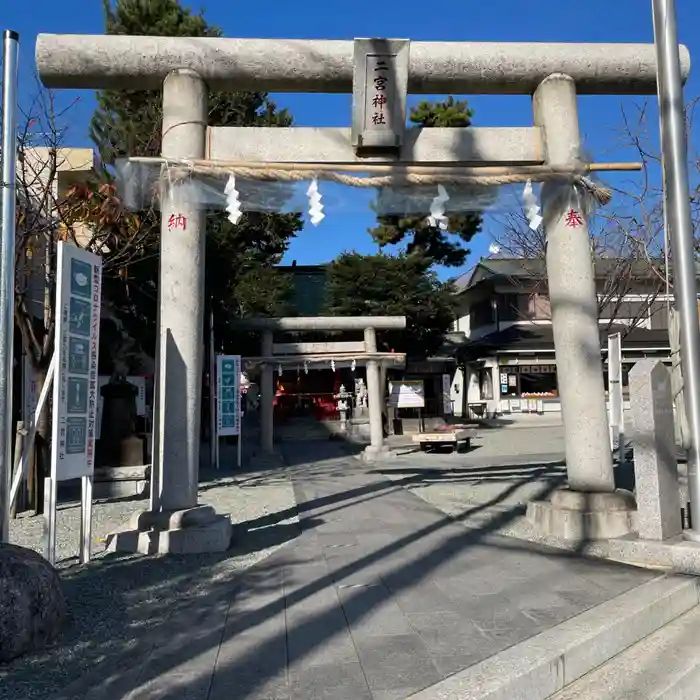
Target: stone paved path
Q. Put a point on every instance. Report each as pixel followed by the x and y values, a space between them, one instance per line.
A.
pixel 381 595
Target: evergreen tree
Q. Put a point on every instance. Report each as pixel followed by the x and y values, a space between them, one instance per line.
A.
pixel 441 247
pixel 128 123
pixel 388 285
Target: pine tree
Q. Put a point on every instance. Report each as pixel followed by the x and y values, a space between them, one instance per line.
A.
pixel 441 247
pixel 393 285
pixel 128 123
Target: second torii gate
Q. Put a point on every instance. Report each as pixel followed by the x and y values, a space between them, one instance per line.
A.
pixel 368 324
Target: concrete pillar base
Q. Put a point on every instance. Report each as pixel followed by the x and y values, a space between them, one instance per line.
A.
pixel 373 454
pixel 578 515
pixel 121 482
pixel 190 531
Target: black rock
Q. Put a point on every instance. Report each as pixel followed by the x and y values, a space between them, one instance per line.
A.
pixel 32 604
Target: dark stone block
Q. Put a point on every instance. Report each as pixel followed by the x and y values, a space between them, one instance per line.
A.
pixel 32 604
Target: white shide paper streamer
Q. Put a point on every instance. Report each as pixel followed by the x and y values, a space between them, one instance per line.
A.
pixel 531 207
pixel 233 204
pixel 315 207
pixel 437 209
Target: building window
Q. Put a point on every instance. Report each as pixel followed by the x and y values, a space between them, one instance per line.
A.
pixel 539 307
pixel 516 307
pixel 481 314
pixel 509 307
pixel 538 384
pixel 659 315
pixel 618 310
pixel 624 377
pixel 509 381
pixel 529 381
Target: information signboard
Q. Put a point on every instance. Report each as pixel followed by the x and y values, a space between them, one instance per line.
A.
pixel 75 390
pixel 407 393
pixel 228 393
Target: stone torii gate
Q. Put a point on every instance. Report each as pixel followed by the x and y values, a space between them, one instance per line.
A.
pixel 187 68
pixel 368 324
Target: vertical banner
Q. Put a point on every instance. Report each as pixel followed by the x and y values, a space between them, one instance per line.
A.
pixel 616 414
pixel 447 394
pixel 228 394
pixel 75 388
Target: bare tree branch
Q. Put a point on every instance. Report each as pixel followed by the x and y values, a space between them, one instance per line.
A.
pixel 628 241
pixel 53 207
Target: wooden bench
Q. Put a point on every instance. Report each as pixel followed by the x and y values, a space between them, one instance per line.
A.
pixel 455 438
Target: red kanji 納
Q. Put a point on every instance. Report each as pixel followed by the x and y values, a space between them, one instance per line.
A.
pixel 177 221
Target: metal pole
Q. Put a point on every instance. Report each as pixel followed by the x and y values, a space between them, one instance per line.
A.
pixel 86 519
pixel 614 387
pixel 50 487
pixel 677 208
pixel 8 187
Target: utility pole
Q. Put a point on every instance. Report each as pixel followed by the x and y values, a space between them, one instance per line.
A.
pixel 674 151
pixel 8 191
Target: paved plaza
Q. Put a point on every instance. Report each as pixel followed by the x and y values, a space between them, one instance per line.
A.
pixel 380 595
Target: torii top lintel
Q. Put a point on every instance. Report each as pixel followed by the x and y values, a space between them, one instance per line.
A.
pixel 291 65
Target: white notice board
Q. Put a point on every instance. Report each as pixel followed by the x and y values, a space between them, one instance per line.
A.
pixel 78 296
pixel 407 393
pixel 228 395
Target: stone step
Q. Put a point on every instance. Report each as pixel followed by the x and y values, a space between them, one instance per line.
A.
pixel 543 665
pixel 663 666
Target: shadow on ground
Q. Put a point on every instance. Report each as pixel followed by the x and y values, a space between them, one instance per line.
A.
pixel 145 616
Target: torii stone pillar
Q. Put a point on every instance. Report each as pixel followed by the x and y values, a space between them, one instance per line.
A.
pixel 590 507
pixel 374 400
pixel 175 523
pixel 573 296
pixel 181 295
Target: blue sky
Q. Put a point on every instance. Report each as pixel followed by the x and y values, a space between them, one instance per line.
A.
pixel 439 20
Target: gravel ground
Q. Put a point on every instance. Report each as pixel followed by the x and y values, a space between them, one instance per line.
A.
pixel 116 600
